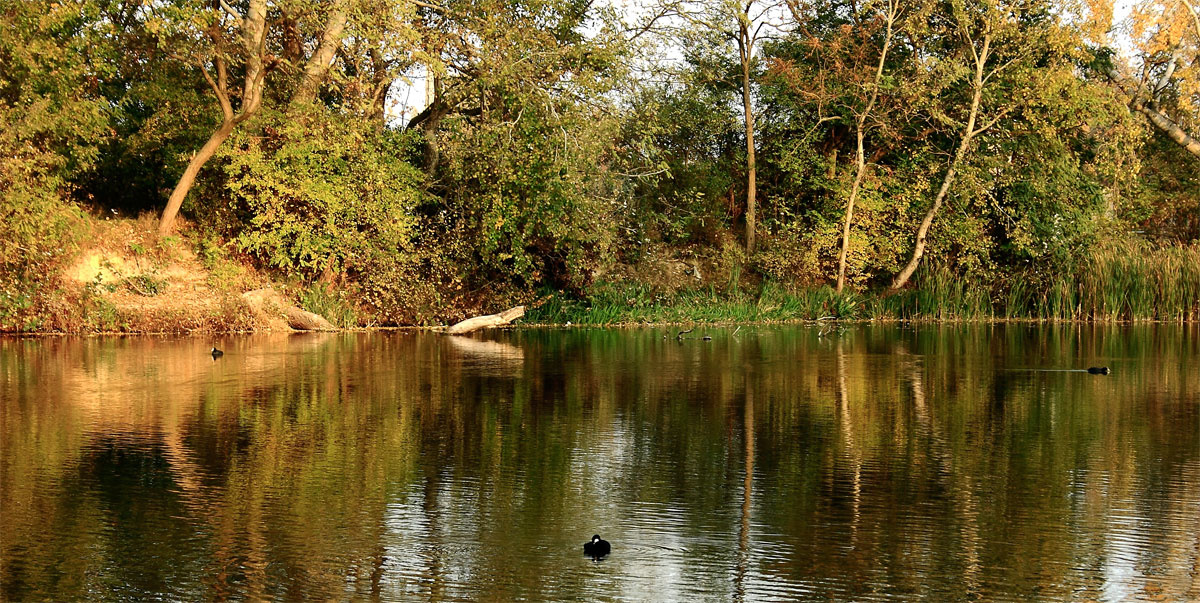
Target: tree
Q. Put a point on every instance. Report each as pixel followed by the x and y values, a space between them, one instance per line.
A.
pixel 995 46
pixel 379 48
pixel 52 60
pixel 859 83
pixel 743 23
pixel 518 138
pixel 890 16
pixel 232 37
pixel 1162 77
pixel 748 29
pixel 221 40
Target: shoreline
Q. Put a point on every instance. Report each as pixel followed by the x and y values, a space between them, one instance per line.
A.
pixel 131 282
pixel 925 322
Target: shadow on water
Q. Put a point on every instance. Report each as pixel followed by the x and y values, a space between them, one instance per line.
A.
pixel 768 462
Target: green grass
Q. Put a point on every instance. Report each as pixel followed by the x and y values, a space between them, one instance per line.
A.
pixel 611 303
pixel 1136 283
pixel 1116 284
pixel 325 300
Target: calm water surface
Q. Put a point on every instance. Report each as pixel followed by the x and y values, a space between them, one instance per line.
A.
pixel 878 463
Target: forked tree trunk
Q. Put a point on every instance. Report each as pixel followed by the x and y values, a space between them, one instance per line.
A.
pixel 253 45
pixel 860 161
pixel 189 175
pixel 969 132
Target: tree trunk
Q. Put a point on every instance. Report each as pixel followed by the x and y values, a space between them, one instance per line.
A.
pixel 440 103
pixel 747 49
pixel 1169 127
pixel 189 176
pixel 923 230
pixel 968 133
pixel 483 322
pixel 1165 124
pixel 860 157
pixel 302 320
pixel 253 43
pixel 381 84
pixel 432 154
pixel 860 169
pixel 271 308
pixel 321 60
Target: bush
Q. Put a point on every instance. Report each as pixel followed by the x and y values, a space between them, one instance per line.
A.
pixel 52 124
pixel 324 195
pixel 532 202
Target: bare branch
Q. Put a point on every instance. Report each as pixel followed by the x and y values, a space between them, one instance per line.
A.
pixel 754 38
pixel 1195 14
pixel 430 6
pixel 649 25
pixel 1163 81
pixel 816 125
pixel 231 10
pixel 992 122
pixel 218 88
pixel 1000 68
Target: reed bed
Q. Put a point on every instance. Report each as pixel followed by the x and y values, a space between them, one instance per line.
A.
pixel 1118 283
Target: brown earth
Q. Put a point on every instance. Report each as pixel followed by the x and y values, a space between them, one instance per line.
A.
pixel 129 280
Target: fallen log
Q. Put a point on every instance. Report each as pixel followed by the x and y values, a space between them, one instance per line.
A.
pixel 482 322
pixel 273 310
pixel 306 321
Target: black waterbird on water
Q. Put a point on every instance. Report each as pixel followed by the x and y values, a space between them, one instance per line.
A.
pixel 1098 370
pixel 597 547
pixel 216 353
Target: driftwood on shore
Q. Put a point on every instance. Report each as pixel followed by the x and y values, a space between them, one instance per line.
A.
pixel 482 322
pixel 306 321
pixel 270 305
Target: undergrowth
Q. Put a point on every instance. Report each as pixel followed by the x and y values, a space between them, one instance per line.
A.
pixel 1116 284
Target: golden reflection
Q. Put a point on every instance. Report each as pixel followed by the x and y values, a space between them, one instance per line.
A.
pixel 847 430
pixel 747 486
pixel 925 463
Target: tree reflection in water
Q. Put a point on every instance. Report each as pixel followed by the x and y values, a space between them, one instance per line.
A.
pixel 768 462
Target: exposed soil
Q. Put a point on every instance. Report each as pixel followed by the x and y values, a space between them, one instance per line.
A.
pixel 132 281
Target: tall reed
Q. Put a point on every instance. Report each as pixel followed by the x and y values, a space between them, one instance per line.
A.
pixel 1134 282
pixel 1118 282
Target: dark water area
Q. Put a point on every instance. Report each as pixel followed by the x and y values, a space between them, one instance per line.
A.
pixel 770 463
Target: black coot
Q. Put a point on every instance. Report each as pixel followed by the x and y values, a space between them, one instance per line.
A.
pixel 1098 370
pixel 216 353
pixel 597 547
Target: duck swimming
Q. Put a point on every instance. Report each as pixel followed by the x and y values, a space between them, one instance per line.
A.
pixel 215 353
pixel 1098 370
pixel 597 547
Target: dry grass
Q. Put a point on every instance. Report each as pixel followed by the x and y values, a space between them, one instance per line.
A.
pixel 126 279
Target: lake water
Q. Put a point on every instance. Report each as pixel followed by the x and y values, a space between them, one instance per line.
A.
pixel 875 463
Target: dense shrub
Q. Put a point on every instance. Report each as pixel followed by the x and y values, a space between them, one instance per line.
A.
pixel 51 128
pixel 322 195
pixel 533 199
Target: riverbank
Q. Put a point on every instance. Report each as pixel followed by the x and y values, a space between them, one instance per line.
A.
pixel 125 279
pixel 116 276
pixel 1116 285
